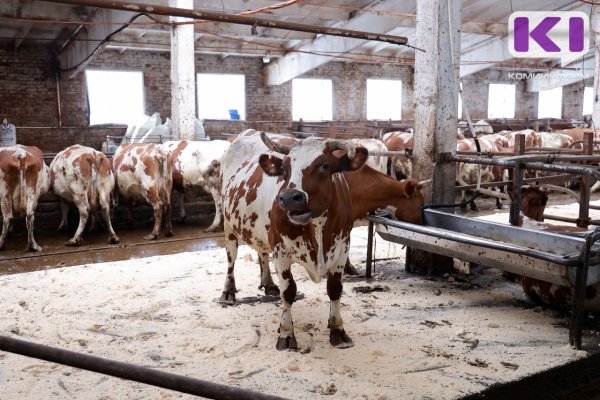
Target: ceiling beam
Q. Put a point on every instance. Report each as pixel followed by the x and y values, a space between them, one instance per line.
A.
pixel 78 53
pixel 473 59
pixel 296 64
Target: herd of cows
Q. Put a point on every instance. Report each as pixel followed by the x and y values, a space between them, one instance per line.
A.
pixel 296 200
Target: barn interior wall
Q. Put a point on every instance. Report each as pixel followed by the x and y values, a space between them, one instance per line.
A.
pixel 28 95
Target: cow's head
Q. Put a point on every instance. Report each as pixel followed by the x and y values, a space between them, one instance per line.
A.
pixel 407 205
pixel 308 168
pixel 533 201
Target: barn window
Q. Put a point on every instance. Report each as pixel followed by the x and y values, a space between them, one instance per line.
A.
pixel 312 99
pixel 115 97
pixel 588 100
pixel 384 99
pixel 221 96
pixel 550 103
pixel 501 101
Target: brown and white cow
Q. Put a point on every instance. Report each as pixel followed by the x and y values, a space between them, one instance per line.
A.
pixel 198 164
pixel 399 141
pixel 23 179
pixel 84 177
pixel 291 201
pixel 144 172
pixel 378 162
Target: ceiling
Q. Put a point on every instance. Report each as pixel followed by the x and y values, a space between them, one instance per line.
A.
pixel 74 32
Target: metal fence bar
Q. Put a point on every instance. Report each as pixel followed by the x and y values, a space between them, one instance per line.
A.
pixel 130 372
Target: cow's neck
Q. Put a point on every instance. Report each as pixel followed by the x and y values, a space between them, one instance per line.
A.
pixel 371 190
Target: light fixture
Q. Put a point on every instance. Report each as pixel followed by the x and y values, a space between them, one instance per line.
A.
pixel 266 58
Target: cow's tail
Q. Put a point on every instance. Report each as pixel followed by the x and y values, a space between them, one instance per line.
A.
pixel 94 162
pixel 165 171
pixel 22 155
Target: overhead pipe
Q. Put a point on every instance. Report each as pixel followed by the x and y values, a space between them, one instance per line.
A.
pixel 131 372
pixel 236 19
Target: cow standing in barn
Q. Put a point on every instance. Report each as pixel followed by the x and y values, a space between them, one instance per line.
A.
pixel 23 179
pixel 144 172
pixel 293 202
pixel 198 164
pixel 84 177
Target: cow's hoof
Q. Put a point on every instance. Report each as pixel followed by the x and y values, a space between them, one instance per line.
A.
pixel 2 246
pixel 114 240
pixel 212 228
pixel 73 242
pixel 62 228
pixel 152 236
pixel 182 220
pixel 287 343
pixel 228 296
pixel 350 270
pixel 169 234
pixel 34 248
pixel 340 339
pixel 272 290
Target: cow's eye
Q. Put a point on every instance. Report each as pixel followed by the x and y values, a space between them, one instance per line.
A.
pixel 324 167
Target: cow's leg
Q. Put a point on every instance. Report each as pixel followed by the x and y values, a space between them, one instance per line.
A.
pixel 287 339
pixel 158 211
pixel 105 204
pixel 168 225
pixel 349 269
pixel 218 212
pixel 29 219
pixel 64 209
pixel 181 196
pixel 7 216
pixel 337 335
pixel 84 211
pixel 231 246
pixel 130 212
pixel 266 281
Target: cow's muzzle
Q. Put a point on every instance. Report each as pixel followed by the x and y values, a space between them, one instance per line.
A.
pixel 295 203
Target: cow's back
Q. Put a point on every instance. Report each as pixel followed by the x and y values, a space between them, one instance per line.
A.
pixel 193 161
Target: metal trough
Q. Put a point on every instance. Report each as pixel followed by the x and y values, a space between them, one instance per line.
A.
pixel 564 259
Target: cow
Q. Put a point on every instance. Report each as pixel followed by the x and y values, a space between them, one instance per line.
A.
pixel 84 177
pixel 399 141
pixel 23 179
pixel 293 200
pixel 468 173
pixel 144 172
pixel 531 137
pixel 533 203
pixel 198 164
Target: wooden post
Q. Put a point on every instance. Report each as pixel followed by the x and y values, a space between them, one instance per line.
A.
pixel 436 108
pixel 183 87
pixel 585 184
pixel 517 181
pixel 595 36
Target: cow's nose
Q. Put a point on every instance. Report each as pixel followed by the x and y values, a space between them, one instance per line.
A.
pixel 291 199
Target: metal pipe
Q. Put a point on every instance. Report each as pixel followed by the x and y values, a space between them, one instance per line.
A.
pixel 131 372
pixel 571 169
pixel 58 109
pixel 235 19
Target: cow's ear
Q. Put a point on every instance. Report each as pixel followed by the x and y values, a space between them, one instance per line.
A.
pixel 272 165
pixel 344 163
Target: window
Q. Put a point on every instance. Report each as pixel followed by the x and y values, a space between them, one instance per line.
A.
pixel 384 99
pixel 550 103
pixel 588 101
pixel 115 97
pixel 501 102
pixel 221 96
pixel 312 99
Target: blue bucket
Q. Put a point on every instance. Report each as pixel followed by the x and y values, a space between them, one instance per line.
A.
pixel 233 114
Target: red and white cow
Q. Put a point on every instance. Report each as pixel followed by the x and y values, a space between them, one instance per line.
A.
pixel 84 177
pixel 293 202
pixel 144 172
pixel 379 163
pixel 23 179
pixel 198 164
pixel 533 203
pixel 399 141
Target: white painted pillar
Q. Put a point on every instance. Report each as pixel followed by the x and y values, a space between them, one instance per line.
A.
pixel 436 95
pixel 595 38
pixel 436 108
pixel 183 89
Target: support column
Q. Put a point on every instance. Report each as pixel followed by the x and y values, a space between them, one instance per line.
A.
pixel 436 109
pixel 595 33
pixel 183 89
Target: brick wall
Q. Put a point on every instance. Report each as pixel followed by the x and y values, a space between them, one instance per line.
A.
pixel 28 93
